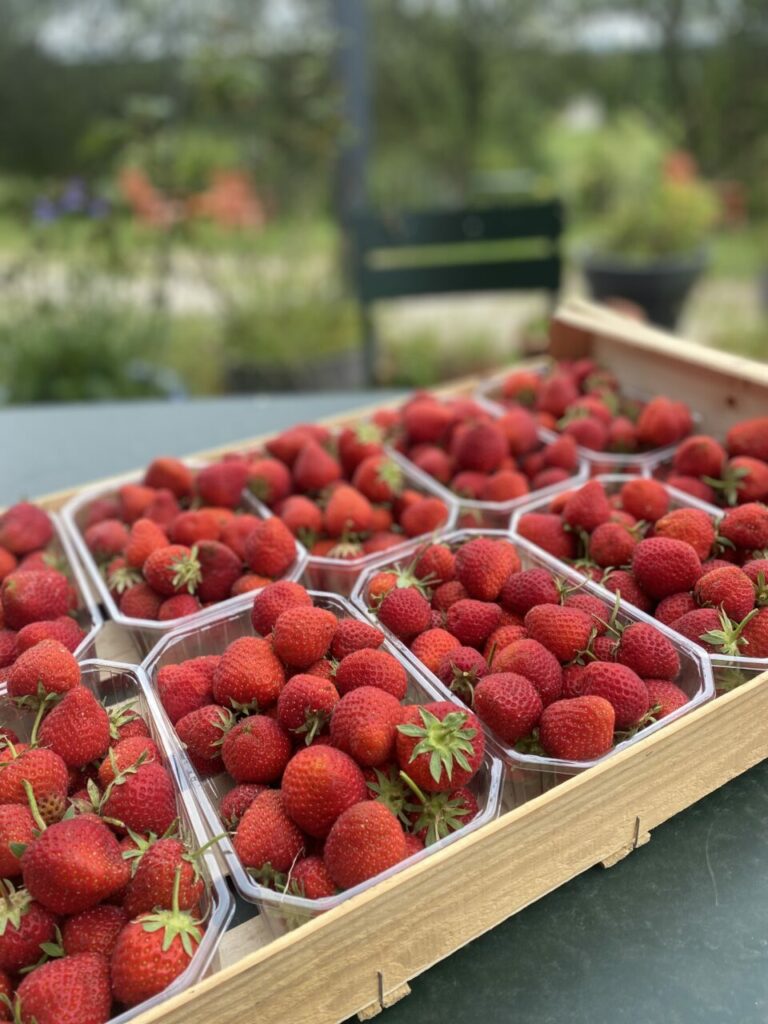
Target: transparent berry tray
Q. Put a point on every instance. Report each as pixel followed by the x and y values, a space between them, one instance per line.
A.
pixel 145 631
pixel 284 911
pixel 123 685
pixel 695 677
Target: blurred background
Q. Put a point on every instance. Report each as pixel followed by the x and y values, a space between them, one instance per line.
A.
pixel 181 181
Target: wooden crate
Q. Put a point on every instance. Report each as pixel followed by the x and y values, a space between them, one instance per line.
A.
pixel 360 956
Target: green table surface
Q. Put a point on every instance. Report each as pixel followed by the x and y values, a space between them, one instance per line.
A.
pixel 675 934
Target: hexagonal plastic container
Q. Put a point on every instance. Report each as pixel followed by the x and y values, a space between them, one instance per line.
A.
pixel 285 911
pixel 145 631
pixel 115 685
pixel 695 677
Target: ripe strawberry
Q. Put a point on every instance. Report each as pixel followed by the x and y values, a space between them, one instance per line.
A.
pixel 315 468
pixel 163 508
pixel 347 511
pixel 287 445
pixel 693 486
pixel 64 629
pixel 750 437
pixel 447 594
pixel 434 462
pixel 154 880
pixel 93 931
pixel 746 526
pixel 249 675
pixel 480 447
pixel 29 596
pixel 618 581
pixel 468 484
pixel 8 647
pixel 611 544
pixel 423 516
pixel 757 570
pixel 440 814
pixel 275 599
pixel 352 635
pixel 24 527
pixel 172 569
pixel 587 507
pixel 106 538
pixel 184 687
pixel 588 431
pixel 504 485
pixel 503 636
pixel 257 749
pixel 664 697
pixel 472 622
pixel 622 436
pixel 699 455
pixel 644 499
pixel 432 646
pixel 124 754
pixel 705 622
pixel 145 537
pixel 141 602
pixel 133 500
pixel 406 612
pixel 357 443
pixel 269 479
pixel 744 480
pixel 270 549
pixel 426 419
pixel 235 533
pixel 621 687
pixel 305 704
pixel 673 607
pixel 525 589
pixel 728 588
pixel 371 668
pixel 172 474
pixel 547 531
pixel 177 607
pixel 43 770
pixel 755 634
pixel 560 454
pixel 74 864
pixel 563 631
pixel 378 478
pixel 8 563
pixel 202 732
pixel 509 704
pixel 266 837
pixel 236 802
pixel 530 659
pixel 460 670
pixel 222 483
pixel 363 725
pixel 318 784
pixel 664 566
pixel 142 797
pixel 691 525
pixel 365 840
pixel 302 636
pixel 73 990
pixel 660 423
pixel 310 879
pixel 439 745
pixel 24 925
pixel 16 826
pixel 556 393
pixel 483 566
pixel 301 516
pixel 46 668
pixel 579 729
pixel 648 652
pixel 521 386
pixel 77 729
pixel 195 525
pixel 219 568
pixel 573 681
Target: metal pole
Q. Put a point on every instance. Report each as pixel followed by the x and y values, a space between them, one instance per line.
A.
pixel 351 22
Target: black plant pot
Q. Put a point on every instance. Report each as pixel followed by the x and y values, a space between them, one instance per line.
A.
pixel 341 372
pixel 659 289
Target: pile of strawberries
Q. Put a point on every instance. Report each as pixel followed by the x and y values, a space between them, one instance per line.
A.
pixel 705 577
pixel 37 599
pixel 340 493
pixel 179 541
pixel 100 903
pixel 549 669
pixel 479 456
pixel 733 473
pixel 337 777
pixel 582 400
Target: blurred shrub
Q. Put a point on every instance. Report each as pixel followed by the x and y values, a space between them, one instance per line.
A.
pixel 420 358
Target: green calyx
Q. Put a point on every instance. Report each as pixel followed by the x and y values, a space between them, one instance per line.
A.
pixel 347 548
pixel 730 484
pixel 368 432
pixel 13 905
pixel 118 717
pixel 729 638
pixel 123 579
pixel 388 789
pixel 390 474
pixel 530 745
pixel 445 742
pixel 761 590
pixel 439 813
pixel 314 723
pixel 463 682
pixel 187 572
pixel 175 923
pixel 648 719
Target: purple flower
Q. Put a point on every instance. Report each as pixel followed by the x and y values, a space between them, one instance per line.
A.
pixel 73 198
pixel 44 210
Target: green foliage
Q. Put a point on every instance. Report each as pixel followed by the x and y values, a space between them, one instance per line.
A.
pixel 421 358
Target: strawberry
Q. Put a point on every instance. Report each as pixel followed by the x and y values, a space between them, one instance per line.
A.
pixel 648 652
pixel 378 478
pixel 222 483
pixel 124 754
pixel 29 596
pixel 318 784
pixel 257 749
pixel 46 668
pixel 744 479
pixel 154 879
pixel 195 525
pixel 644 499
pixel 472 622
pixel 480 447
pixel 432 646
pixel 202 731
pixel 64 629
pixel 509 704
pixel 249 675
pixel 73 865
pixel 622 436
pixel 504 485
pixel 347 511
pixel 440 814
pixel 172 569
pixel 460 670
pixel 357 443
pixel 77 729
pixel 287 445
pixel 177 607
pixel 468 484
pixel 611 544
pixel 483 566
pixel 673 607
pixel 556 393
pixel 145 537
pixel 547 531
pixel 141 602
pixel 301 516
pixel 302 636
pixel 405 612
pixel 699 455
pixel 275 599
pixel 728 588
pixel 352 635
pixel 434 462
pixel 660 423
pixel 755 634
pixel 426 419
pixel 142 797
pixel 705 627
pixel 746 526
pixel 525 589
pixel 24 925
pixel 439 745
pixel 664 697
pixel 503 636
pixel 563 631
pixel 235 533
pixel 219 568
pixel 24 527
pixel 45 772
pixel 690 525
pixel 447 594
pixel 664 566
pixel 93 931
pixel 621 687
pixel 72 990
pixel 106 538
pixel 133 501
pixel 236 802
pixel 266 837
pixel 364 840
pixel 152 951
pixel 363 725
pixel 269 479
pixel 579 729
pixel 423 516
pixel 624 583
pixel 270 549
pixel 693 486
pixel 561 454
pixel 305 704
pixel 8 647
pixel 163 508
pixel 521 386
pixel 8 563
pixel 315 468
pixel 182 688
pixel 750 437
pixel 311 880
pixel 588 431
pixel 16 826
pixel 171 474
pixel 371 668
pixel 587 507
pixel 573 681
pixel 530 659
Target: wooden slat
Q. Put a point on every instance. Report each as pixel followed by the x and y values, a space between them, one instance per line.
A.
pixel 495 275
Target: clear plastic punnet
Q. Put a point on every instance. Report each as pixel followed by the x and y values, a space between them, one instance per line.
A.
pixel 145 631
pixel 118 685
pixel 695 676
pixel 284 911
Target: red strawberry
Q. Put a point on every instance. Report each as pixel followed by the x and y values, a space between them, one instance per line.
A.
pixel 423 516
pixel 519 427
pixel 222 483
pixel 644 499
pixel 16 826
pixel 547 531
pixel 358 443
pixel 587 507
pixel 257 749
pixel 77 729
pixel 522 386
pixel 301 636
pixel 236 802
pixel 93 931
pixel 621 687
pixel 509 704
pixel 143 798
pixel 134 500
pixel 530 659
pixel 24 925
pixel 363 725
pixel 305 705
pixel 573 680
pixel 673 607
pixel 365 840
pixel 560 454
pixel 145 537
pixel 248 675
pixel 746 527
pixel 690 525
pixel 472 622
pixel 29 596
pixel 664 697
pixel 202 732
pixel 378 478
pixel 440 814
pixel 163 508
pixel 275 599
pixel 182 688
pixel 8 647
pixel 8 563
pixel 728 588
pixel 480 447
pixel 432 646
pixel 433 461
pixel 270 549
pixel 106 538
pixel 287 445
pixel 705 622
pixel 46 668
pixel 744 480
pixel 563 631
pixel 124 754
pixel 172 474
pixel 648 652
pixel 352 635
pixel 525 589
pixel 371 668
pixel 177 607
pixel 141 602
pixel 74 865
pixel 469 484
pixel 314 468
pixel 219 568
pixel 73 990
pixel 504 485
pixel 503 636
pixel 755 634
pixel 664 566
pixel 318 784
pixel 579 729
pixel 266 837
pixel 588 431
pixel 611 544
pixel 659 423
pixel 483 566
pixel 622 436
pixel 172 569
pixel 64 629
pixel 195 525
pixel 624 583
pixel 750 437
pixel 426 419
pixel 302 517
pixel 154 880
pixel 460 671
pixel 311 880
pixel 269 480
pixel 406 612
pixel 347 511
pixel 556 394
pixel 699 455
pixel 25 527
pixel 43 770
pixel 439 745
pixel 691 485
pixel 235 533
